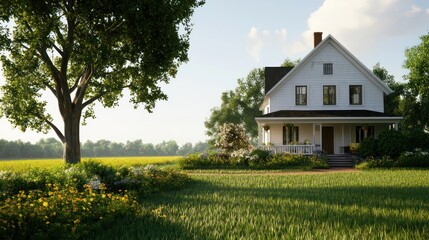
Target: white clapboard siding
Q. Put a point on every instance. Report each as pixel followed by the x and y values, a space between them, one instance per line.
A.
pixel 345 73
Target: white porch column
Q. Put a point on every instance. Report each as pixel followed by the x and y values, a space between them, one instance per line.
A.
pixel 314 134
pixel 342 133
pixel 320 133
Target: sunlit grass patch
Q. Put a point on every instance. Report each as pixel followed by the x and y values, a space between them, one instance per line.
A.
pixel 25 165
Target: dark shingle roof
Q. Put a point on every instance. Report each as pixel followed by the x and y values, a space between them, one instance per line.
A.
pixel 273 75
pixel 325 114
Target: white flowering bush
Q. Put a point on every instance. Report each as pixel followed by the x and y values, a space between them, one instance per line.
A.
pixel 94 182
pixel 243 156
pixel 232 137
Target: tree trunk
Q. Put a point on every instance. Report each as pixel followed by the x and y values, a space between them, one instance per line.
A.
pixel 71 140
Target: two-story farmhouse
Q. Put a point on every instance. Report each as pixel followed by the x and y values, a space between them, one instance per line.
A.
pixel 327 102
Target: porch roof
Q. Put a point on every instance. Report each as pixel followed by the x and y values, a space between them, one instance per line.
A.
pixel 328 116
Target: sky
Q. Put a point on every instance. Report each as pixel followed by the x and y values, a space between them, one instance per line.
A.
pixel 230 38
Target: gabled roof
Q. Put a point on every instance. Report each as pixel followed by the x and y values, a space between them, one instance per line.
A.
pixel 273 75
pixel 331 40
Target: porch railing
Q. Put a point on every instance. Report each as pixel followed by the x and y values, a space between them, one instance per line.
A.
pixel 292 149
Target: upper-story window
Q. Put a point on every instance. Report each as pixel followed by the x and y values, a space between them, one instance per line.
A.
pixel 301 95
pixel 328 68
pixel 355 93
pixel 329 95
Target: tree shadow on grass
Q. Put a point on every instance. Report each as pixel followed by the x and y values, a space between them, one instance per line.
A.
pixel 394 209
pixel 146 227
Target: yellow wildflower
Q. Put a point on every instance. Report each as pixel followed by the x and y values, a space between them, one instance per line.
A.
pixel 45 204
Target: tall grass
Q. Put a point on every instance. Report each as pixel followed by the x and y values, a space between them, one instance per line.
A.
pixel 25 165
pixel 353 205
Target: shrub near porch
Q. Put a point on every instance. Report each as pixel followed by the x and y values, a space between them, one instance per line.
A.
pixel 258 159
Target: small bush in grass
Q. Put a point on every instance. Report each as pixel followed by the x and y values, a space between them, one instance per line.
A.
pixel 417 158
pixel 372 162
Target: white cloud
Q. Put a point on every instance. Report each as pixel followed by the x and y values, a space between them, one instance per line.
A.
pixel 281 34
pixel 255 43
pixel 259 39
pixel 427 11
pixel 414 10
pixel 354 22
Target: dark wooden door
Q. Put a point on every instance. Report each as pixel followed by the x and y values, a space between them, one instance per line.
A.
pixel 328 139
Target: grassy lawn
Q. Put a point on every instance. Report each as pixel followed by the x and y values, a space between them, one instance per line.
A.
pixel 344 205
pixel 271 204
pixel 23 165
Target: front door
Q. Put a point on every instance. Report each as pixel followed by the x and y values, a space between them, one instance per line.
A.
pixel 328 139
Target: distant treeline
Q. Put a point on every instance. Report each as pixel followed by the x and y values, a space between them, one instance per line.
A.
pixel 52 148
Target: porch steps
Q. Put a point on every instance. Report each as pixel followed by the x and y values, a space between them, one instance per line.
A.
pixel 340 160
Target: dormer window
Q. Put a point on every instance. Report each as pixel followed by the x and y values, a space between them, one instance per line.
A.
pixel 328 68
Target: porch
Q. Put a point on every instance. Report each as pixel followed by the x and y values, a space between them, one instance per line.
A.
pixel 292 149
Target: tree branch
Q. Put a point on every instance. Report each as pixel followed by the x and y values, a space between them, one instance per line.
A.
pixel 58 49
pixel 98 96
pixel 51 88
pixel 75 84
pixel 93 99
pixel 86 77
pixel 55 128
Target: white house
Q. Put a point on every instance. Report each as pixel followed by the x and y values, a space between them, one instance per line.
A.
pixel 327 102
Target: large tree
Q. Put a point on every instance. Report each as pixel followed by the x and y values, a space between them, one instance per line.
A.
pixel 87 51
pixel 241 105
pixel 416 99
pixel 392 101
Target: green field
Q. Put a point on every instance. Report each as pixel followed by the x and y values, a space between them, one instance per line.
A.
pixel 346 205
pixel 23 165
pixel 241 204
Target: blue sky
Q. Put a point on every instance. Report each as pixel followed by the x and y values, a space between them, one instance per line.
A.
pixel 230 38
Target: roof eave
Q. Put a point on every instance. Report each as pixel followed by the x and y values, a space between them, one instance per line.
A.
pixel 329 119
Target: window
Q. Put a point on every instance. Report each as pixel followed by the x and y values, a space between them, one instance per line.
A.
pixel 328 68
pixel 301 95
pixel 355 92
pixel 363 132
pixel 290 134
pixel 329 95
